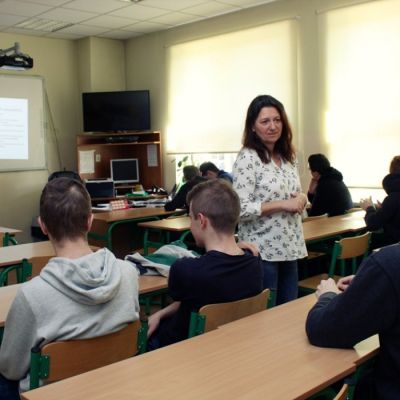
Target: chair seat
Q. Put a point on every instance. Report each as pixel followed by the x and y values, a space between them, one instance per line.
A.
pixel 313 281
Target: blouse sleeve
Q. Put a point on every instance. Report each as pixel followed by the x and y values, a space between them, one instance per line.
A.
pixel 244 182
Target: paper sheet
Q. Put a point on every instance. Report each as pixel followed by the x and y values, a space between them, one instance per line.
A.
pixel 86 161
pixel 152 159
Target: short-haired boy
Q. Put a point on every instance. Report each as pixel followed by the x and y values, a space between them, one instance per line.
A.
pixel 79 294
pixel 224 273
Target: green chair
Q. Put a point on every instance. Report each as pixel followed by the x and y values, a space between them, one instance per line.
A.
pixel 27 269
pixel 346 249
pixel 211 316
pixel 60 360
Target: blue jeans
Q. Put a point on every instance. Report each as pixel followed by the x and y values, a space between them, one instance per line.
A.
pixel 8 389
pixel 282 278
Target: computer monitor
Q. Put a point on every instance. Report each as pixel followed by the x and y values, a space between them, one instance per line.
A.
pixel 124 170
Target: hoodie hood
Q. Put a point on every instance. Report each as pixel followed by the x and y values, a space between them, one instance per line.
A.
pixel 332 173
pixel 391 183
pixel 91 279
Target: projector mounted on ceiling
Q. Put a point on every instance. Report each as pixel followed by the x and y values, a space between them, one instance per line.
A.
pixel 12 58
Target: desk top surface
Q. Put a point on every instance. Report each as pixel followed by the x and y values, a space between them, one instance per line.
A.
pixel 12 231
pixel 131 214
pixel 10 255
pixel 147 284
pixel 313 230
pixel 325 227
pixel 266 355
pixel 177 224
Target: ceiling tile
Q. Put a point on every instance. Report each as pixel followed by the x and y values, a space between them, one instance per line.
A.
pixel 118 34
pixel 175 18
pixel 174 5
pixel 24 9
pixel 21 31
pixel 110 21
pixel 9 20
pixel 52 3
pixel 61 35
pixel 139 12
pixel 63 14
pixel 96 6
pixel 246 3
pixel 146 27
pixel 84 30
pixel 211 8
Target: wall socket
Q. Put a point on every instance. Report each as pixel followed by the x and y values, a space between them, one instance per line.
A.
pixel 98 157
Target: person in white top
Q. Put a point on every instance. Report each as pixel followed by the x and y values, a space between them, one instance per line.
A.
pixel 265 176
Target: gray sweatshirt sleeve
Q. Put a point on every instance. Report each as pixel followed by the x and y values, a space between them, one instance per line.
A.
pixel 19 337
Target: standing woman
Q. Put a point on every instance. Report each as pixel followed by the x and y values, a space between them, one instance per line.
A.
pixel 267 182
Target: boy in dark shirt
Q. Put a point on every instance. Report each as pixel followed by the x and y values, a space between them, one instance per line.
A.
pixel 224 273
pixel 361 306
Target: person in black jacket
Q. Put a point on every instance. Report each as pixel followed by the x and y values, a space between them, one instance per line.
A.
pixel 327 192
pixel 386 216
pixel 191 176
pixel 361 306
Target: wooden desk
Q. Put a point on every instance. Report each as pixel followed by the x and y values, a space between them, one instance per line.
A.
pixel 112 228
pixel 147 284
pixel 9 234
pixel 178 224
pixel 325 227
pixel 313 230
pixel 11 255
pixel 265 356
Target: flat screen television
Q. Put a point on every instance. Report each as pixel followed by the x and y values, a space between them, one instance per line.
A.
pixel 124 170
pixel 116 111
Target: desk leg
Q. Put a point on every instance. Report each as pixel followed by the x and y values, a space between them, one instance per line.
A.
pixel 145 242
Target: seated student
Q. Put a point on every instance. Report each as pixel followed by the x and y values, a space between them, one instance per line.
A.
pixel 327 192
pixel 386 216
pixel 361 306
pixel 224 273
pixel 210 171
pixel 191 176
pixel 79 294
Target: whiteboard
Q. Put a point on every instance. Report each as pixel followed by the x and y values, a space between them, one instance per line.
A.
pixel 22 135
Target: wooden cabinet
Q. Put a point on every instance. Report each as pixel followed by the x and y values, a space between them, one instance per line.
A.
pixel 100 148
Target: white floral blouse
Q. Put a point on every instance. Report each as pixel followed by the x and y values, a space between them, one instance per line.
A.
pixel 279 236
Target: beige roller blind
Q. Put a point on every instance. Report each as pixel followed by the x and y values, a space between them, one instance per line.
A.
pixel 360 50
pixel 211 82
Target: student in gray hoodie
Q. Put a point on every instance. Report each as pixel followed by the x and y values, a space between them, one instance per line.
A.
pixel 79 294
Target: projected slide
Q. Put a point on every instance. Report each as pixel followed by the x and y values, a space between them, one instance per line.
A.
pixel 13 129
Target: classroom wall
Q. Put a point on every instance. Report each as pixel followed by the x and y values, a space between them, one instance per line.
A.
pixel 93 64
pixel 146 65
pixel 68 68
pixel 55 61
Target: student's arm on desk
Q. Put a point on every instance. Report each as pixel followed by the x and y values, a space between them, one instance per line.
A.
pixel 366 308
pixel 19 337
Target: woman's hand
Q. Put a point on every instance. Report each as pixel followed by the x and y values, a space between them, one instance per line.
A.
pixel 296 204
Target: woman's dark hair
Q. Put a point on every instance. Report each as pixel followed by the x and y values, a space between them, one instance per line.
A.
pixel 250 139
pixel 318 163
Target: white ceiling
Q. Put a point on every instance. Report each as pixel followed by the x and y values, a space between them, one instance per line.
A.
pixel 115 19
